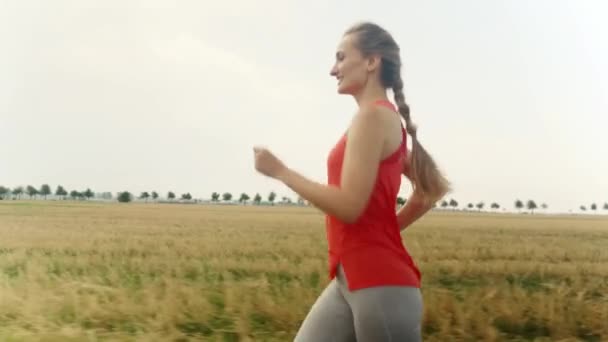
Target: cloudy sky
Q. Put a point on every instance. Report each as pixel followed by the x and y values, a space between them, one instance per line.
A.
pixel 511 97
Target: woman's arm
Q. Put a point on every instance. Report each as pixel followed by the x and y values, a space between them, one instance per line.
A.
pixel 416 206
pixel 363 152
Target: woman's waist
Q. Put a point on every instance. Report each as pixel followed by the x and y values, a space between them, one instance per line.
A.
pixel 346 239
pixel 372 216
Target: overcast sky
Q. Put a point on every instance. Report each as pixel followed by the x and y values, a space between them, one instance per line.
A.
pixel 511 97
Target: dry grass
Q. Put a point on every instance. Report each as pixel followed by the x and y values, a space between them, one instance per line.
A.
pixel 109 272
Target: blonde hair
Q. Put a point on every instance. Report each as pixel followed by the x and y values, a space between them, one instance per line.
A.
pixel 371 39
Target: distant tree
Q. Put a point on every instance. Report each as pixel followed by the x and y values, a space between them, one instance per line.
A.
pixel 257 199
pixel 444 204
pixel 74 194
pixel 45 190
pixel 605 206
pixel 144 195
pixel 4 191
pixel 271 197
pixel 60 191
pixel 244 198
pixel 453 203
pixel 544 206
pixel 171 195
pixel 186 196
pixel 593 207
pixel 106 195
pixel 31 191
pixel 480 205
pixel 18 191
pixel 226 196
pixel 215 197
pixel 124 197
pixel 154 195
pixel 583 208
pixel 401 201
pixel 470 206
pixel 519 205
pixel 301 200
pixel 88 193
pixel 495 205
pixel 531 205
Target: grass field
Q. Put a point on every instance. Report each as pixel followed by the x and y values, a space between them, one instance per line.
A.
pixel 107 272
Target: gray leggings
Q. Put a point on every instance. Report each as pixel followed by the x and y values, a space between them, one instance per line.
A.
pixel 376 314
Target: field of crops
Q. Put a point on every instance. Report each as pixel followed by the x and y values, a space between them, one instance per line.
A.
pixel 77 271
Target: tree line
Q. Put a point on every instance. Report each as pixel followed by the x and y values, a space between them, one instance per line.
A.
pixel 125 196
pixel 257 198
pixel 518 204
pixel 44 191
pixel 452 203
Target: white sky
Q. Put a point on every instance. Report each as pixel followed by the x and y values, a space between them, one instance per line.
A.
pixel 511 97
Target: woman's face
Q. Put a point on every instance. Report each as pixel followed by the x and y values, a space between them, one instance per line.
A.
pixel 350 68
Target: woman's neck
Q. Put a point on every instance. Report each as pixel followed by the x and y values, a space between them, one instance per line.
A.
pixel 370 94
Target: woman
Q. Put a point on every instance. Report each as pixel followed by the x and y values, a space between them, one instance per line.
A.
pixel 374 293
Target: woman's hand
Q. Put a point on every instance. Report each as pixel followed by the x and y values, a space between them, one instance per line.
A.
pixel 267 163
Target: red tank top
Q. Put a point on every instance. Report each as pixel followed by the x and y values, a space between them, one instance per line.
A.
pixel 371 251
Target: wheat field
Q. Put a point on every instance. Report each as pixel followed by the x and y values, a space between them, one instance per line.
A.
pixel 77 271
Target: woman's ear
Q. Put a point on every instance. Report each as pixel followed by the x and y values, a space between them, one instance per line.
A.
pixel 373 63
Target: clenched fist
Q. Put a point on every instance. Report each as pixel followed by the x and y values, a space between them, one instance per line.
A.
pixel 267 163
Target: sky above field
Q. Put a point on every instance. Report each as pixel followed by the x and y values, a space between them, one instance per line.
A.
pixel 510 97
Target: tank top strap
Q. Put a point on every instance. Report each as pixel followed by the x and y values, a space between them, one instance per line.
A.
pixel 392 107
pixel 386 104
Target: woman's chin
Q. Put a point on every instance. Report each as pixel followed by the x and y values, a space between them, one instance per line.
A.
pixel 349 88
pixel 343 90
